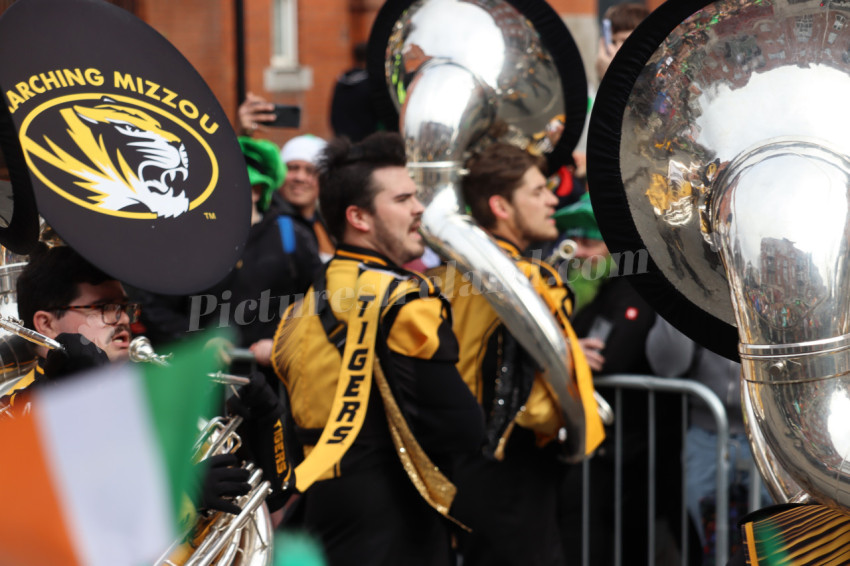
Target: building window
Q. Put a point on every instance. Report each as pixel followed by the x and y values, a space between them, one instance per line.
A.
pixel 285 73
pixel 803 27
pixel 285 33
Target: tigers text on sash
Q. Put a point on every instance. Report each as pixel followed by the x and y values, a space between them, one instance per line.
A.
pixel 351 398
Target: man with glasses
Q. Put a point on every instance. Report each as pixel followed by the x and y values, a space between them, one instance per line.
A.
pixel 60 292
pixel 64 297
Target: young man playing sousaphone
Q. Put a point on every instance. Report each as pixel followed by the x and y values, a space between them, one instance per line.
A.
pixel 508 493
pixel 368 359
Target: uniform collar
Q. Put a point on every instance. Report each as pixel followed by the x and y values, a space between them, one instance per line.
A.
pixel 366 256
pixel 509 247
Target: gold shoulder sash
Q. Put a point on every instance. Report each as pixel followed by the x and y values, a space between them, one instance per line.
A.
pixel 348 410
pixel 594 431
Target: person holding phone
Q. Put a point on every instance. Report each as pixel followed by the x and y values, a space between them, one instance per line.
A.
pixel 618 23
pixel 256 113
pixel 613 322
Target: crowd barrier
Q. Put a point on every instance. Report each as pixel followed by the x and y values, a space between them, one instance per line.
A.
pixel 611 387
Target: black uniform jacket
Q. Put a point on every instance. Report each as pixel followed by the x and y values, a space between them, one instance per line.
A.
pixel 365 509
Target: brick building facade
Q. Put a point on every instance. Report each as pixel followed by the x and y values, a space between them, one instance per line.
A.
pixel 306 66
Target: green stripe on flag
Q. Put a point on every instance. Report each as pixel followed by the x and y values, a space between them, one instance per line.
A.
pixel 178 395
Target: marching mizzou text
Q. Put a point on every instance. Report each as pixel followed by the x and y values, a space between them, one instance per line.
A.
pixel 63 78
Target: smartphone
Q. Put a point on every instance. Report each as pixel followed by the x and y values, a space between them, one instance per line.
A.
pixel 601 328
pixel 286 116
pixel 606 31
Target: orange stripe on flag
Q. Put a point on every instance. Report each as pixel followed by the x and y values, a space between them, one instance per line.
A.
pixel 32 528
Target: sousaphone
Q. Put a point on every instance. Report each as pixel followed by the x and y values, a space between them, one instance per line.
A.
pixel 117 142
pixel 113 137
pixel 718 143
pixel 455 76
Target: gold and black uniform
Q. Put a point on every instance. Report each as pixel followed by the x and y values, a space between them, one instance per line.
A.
pixel 508 493
pixel 16 398
pixel 365 509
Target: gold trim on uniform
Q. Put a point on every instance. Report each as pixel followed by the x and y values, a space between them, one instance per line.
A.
pixel 435 488
pixel 804 535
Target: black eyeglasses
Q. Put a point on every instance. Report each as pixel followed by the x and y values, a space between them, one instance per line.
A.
pixel 109 312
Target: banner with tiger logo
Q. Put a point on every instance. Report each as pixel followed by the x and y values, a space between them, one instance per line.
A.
pixel 130 156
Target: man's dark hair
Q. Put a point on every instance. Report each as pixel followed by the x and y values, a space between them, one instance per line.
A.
pixel 498 170
pixel 50 280
pixel 626 16
pixel 345 175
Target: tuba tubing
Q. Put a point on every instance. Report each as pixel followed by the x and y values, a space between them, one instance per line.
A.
pixel 457 238
pixel 464 74
pixel 564 251
pixel 246 537
pixel 225 529
pixel 16 326
pixel 794 334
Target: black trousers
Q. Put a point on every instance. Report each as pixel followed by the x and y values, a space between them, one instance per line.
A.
pixel 375 517
pixel 511 506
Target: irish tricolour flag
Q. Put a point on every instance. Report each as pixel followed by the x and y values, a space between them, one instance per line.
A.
pixel 96 474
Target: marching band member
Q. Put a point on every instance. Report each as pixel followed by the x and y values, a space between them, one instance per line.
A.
pixel 368 359
pixel 66 298
pixel 508 495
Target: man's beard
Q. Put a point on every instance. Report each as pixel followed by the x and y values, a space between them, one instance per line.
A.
pixel 395 248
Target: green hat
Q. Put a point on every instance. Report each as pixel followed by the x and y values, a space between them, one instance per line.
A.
pixel 265 169
pixel 577 220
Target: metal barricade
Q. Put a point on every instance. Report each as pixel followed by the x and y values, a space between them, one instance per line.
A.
pixel 687 389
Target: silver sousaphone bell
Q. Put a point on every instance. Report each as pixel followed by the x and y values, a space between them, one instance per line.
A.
pixel 457 75
pixel 718 143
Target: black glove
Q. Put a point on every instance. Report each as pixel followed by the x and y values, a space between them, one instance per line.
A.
pixel 255 400
pixel 223 478
pixel 80 354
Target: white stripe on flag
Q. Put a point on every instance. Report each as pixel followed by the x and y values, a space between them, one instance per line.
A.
pixel 108 470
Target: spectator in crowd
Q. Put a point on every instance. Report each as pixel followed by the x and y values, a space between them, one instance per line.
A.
pixel 300 190
pixel 299 194
pixel 613 325
pixel 352 113
pixel 672 354
pixel 278 262
pixel 624 18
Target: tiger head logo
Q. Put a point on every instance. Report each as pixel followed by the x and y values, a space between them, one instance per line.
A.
pixel 129 158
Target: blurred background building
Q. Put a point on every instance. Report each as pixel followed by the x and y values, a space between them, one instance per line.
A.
pixel 293 51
